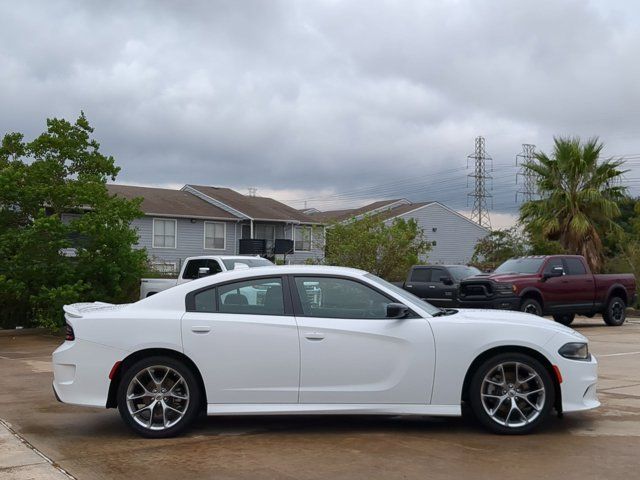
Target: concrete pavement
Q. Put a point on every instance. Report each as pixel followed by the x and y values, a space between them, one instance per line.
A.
pixel 95 444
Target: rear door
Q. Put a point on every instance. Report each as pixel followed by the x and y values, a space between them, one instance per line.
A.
pixel 579 285
pixel 244 339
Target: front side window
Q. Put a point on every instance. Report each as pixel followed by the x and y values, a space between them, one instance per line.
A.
pixel 437 274
pixel 262 296
pixel 302 239
pixel 214 235
pixel 192 270
pixel 328 297
pixel 553 263
pixel 164 233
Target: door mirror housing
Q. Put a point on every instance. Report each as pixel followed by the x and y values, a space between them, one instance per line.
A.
pixel 555 272
pixel 204 272
pixel 446 280
pixel 397 310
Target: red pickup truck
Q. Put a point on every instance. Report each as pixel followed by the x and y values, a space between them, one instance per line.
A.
pixel 558 285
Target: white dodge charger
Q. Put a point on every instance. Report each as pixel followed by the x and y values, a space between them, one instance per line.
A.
pixel 316 340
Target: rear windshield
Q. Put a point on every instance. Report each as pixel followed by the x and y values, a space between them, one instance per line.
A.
pixel 520 265
pixel 234 263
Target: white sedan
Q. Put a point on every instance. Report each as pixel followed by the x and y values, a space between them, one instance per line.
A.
pixel 316 340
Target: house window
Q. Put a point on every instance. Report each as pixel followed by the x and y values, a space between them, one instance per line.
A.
pixel 165 267
pixel 215 235
pixel 302 239
pixel 164 233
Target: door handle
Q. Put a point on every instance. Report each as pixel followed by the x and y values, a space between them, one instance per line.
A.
pixel 200 329
pixel 432 286
pixel 314 336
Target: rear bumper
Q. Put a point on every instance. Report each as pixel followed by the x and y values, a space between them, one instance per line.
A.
pixel 81 372
pixel 510 302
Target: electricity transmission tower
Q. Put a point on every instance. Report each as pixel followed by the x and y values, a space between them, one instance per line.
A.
pixel 529 187
pixel 480 211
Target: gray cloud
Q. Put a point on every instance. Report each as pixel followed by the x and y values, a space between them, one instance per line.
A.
pixel 307 98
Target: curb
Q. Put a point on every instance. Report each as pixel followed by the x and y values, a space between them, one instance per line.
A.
pixel 14 332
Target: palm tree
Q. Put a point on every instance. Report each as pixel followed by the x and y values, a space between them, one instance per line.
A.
pixel 579 197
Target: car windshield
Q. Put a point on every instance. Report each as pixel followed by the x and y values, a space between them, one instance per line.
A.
pixel 233 263
pixel 403 294
pixel 460 272
pixel 520 265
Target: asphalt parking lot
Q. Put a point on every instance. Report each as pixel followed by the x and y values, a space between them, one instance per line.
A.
pixel 95 444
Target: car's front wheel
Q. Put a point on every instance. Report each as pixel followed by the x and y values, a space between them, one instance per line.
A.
pixel 158 397
pixel 511 393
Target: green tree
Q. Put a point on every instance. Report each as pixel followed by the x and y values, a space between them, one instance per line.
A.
pixel 46 262
pixel 370 244
pixel 499 246
pixel 579 197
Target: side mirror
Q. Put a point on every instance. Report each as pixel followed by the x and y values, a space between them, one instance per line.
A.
pixel 555 272
pixel 203 272
pixel 446 280
pixel 397 310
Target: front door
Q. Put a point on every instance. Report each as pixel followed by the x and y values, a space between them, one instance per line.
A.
pixel 351 353
pixel 244 342
pixel 438 292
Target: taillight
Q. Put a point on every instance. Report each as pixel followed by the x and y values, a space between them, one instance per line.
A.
pixel 69 335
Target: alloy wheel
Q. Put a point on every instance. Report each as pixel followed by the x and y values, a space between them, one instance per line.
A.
pixel 617 311
pixel 157 397
pixel 513 394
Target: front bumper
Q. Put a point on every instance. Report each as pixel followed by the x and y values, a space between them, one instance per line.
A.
pixel 579 385
pixel 81 372
pixel 497 302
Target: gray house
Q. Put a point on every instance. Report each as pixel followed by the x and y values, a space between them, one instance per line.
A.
pixel 202 220
pixel 452 235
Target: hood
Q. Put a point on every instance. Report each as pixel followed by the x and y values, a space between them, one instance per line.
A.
pixel 513 317
pixel 502 277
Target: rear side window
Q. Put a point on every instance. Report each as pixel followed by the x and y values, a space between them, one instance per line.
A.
pixel 205 301
pixel 193 267
pixel 262 296
pixel 575 266
pixel 421 275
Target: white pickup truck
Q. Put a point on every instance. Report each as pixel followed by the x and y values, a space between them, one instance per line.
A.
pixel 196 267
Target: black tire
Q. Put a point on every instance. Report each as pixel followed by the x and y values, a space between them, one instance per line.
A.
pixel 543 403
pixel 530 305
pixel 564 318
pixel 615 312
pixel 188 404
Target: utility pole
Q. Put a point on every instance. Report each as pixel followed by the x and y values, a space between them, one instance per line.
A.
pixel 529 187
pixel 252 191
pixel 480 212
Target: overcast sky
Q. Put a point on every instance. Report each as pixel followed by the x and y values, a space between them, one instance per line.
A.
pixel 301 99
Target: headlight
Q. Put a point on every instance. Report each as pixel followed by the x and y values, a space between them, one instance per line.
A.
pixel 575 351
pixel 504 288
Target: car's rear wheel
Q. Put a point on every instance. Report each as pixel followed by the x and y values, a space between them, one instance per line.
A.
pixel 616 312
pixel 511 393
pixel 158 397
pixel 564 318
pixel 532 306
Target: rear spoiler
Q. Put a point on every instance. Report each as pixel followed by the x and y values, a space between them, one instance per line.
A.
pixel 76 310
